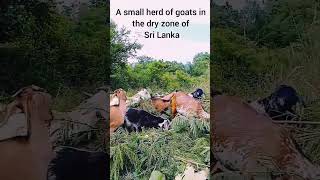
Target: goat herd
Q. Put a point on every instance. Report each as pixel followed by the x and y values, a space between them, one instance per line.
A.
pixel 243 136
pixel 121 113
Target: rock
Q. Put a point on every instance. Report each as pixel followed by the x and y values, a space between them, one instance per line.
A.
pixel 157 175
pixel 191 174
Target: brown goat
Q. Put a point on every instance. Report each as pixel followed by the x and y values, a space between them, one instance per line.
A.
pixel 246 141
pixel 28 157
pixel 181 103
pixel 117 112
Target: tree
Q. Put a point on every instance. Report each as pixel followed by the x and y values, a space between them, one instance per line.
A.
pixel 50 50
pixel 201 63
pixel 121 48
pixel 286 20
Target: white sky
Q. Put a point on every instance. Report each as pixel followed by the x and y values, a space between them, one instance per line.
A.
pixel 193 39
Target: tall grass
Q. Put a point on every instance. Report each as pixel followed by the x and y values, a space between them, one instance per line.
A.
pixel 136 155
pixel 297 65
pixel 302 71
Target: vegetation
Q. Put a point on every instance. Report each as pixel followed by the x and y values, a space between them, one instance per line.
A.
pixel 40 46
pixel 262 46
pixel 254 50
pixel 152 73
pixel 137 155
pixel 242 63
pixel 60 53
pixel 67 52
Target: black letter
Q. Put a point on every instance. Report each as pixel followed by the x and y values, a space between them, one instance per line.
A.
pixel 146 34
pixel 118 12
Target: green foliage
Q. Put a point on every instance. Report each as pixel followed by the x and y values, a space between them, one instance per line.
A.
pixel 200 64
pixel 283 48
pixel 121 48
pixel 232 61
pixel 197 128
pixel 65 55
pixel 148 72
pixel 275 25
pixel 66 99
pixel 40 46
pixel 136 155
pixel 286 21
pixel 165 75
pixel 224 17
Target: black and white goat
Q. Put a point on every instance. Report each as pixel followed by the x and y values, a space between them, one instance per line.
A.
pixel 280 105
pixel 136 119
pixel 197 94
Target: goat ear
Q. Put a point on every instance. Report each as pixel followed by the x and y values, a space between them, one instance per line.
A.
pixel 167 97
pixel 33 87
pixel 117 91
pixel 18 92
pixel 114 101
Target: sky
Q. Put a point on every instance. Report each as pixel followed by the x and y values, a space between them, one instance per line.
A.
pixel 193 39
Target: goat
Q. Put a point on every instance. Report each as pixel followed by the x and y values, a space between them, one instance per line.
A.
pixel 117 112
pixel 180 103
pixel 247 141
pixel 279 105
pixel 136 119
pixel 143 94
pixel 28 157
pixel 198 93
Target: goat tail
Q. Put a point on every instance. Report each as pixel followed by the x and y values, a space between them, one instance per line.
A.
pixel 74 164
pixel 173 106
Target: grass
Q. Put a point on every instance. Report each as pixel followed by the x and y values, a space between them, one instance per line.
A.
pixel 298 66
pixel 66 99
pixel 302 72
pixel 138 154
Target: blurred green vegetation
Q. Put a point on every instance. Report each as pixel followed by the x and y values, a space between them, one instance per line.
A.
pixel 258 47
pixel 68 53
pixel 40 46
pixel 254 49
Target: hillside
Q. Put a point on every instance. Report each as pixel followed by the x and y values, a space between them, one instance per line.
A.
pixel 257 49
pixel 237 4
